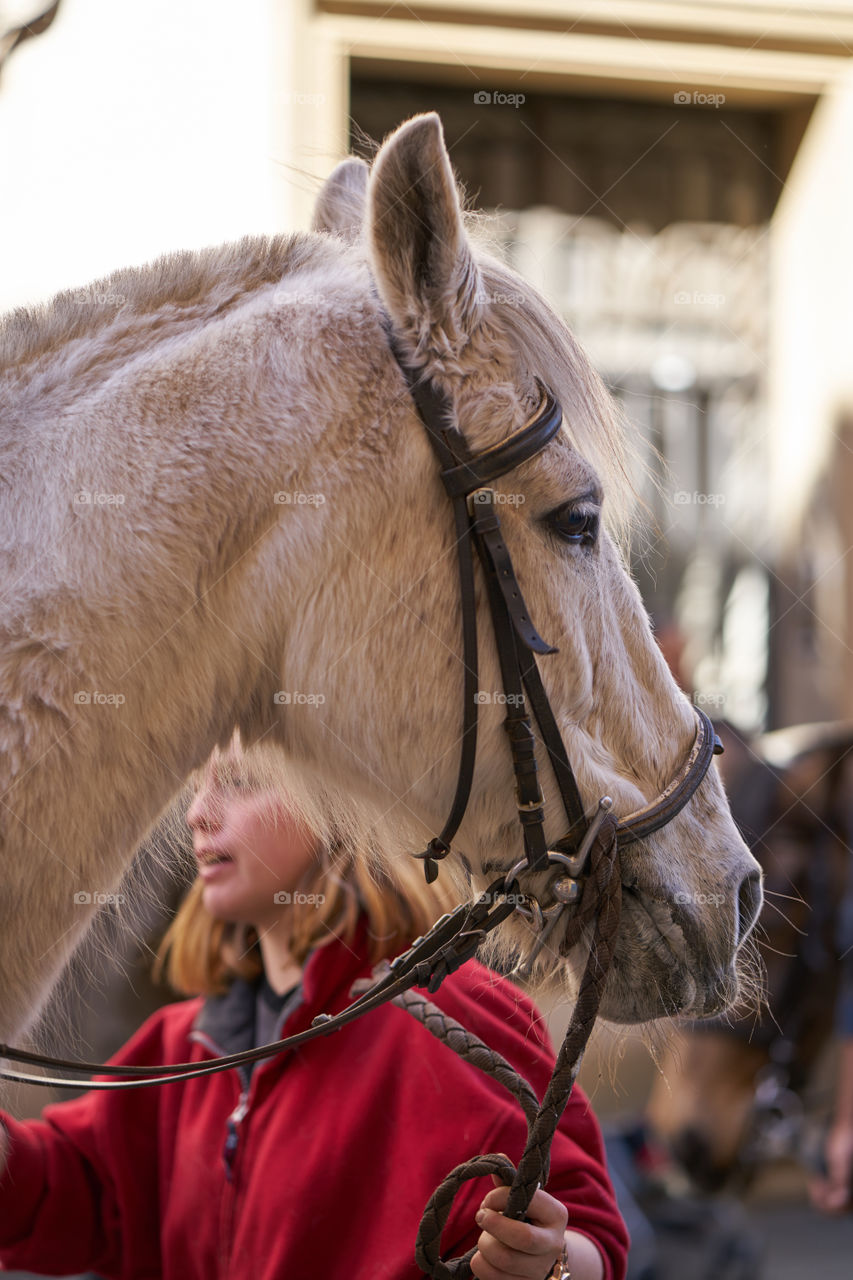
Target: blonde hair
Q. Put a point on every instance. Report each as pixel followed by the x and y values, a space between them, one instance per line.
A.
pixel 201 955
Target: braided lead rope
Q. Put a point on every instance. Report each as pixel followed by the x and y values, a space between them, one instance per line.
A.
pixel 601 898
pixel 471 1049
pixel 605 883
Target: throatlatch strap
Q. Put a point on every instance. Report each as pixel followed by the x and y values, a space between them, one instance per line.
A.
pixel 435 411
pixel 462 475
pixel 439 846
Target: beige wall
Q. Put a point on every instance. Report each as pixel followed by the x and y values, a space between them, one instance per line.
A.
pixel 812 271
pixel 811 400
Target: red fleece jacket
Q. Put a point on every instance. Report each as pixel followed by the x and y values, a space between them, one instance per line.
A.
pixel 334 1147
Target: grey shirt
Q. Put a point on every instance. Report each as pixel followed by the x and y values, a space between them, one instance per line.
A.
pixel 271 1009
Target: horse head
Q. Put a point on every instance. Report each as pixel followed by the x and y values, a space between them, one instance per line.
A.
pixel 248 529
pixel 477 332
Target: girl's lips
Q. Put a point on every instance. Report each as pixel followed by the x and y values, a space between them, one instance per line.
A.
pixel 210 870
pixel 210 859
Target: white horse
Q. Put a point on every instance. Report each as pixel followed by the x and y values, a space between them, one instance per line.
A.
pixel 219 509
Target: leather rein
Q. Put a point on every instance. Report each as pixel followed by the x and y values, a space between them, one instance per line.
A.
pixel 456 936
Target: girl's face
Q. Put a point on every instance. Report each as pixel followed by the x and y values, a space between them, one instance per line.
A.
pixel 251 851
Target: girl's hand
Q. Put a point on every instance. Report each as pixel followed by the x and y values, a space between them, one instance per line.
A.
pixel 513 1250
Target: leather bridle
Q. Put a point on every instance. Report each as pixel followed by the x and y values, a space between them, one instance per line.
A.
pixel 455 937
pixel 466 478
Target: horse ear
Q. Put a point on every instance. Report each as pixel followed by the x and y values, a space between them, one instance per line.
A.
pixel 419 249
pixel 342 199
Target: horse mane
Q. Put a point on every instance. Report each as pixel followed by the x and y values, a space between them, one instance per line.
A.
pixel 189 286
pixel 185 286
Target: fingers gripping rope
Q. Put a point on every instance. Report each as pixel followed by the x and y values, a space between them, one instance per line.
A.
pixel 601 895
pixel 437 1212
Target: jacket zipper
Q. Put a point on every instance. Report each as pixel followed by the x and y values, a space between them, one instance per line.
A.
pixel 232 1138
pixel 238 1115
pixel 229 1157
pixel 229 1151
pixel 228 1203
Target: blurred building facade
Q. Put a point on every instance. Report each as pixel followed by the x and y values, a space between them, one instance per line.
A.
pixel 676 178
pixel 674 174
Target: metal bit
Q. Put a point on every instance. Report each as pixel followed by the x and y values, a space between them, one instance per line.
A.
pixel 576 862
pixel 524 970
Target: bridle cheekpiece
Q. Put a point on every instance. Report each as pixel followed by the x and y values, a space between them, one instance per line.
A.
pixel 466 480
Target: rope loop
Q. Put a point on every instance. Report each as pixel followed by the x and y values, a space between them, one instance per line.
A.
pixel 437 1211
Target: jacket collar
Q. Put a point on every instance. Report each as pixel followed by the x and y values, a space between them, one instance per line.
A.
pixel 226 1023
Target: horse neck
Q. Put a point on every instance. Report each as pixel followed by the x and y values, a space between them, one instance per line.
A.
pixel 140 619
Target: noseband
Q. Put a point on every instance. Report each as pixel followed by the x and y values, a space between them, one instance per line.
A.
pixel 456 937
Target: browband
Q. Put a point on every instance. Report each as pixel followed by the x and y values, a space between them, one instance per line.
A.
pixel 492 463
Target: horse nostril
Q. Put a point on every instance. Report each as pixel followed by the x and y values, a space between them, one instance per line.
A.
pixel 749 899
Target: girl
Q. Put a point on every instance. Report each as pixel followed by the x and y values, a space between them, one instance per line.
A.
pixel 317 1162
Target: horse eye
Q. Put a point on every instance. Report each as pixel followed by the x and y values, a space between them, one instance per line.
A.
pixel 574 524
